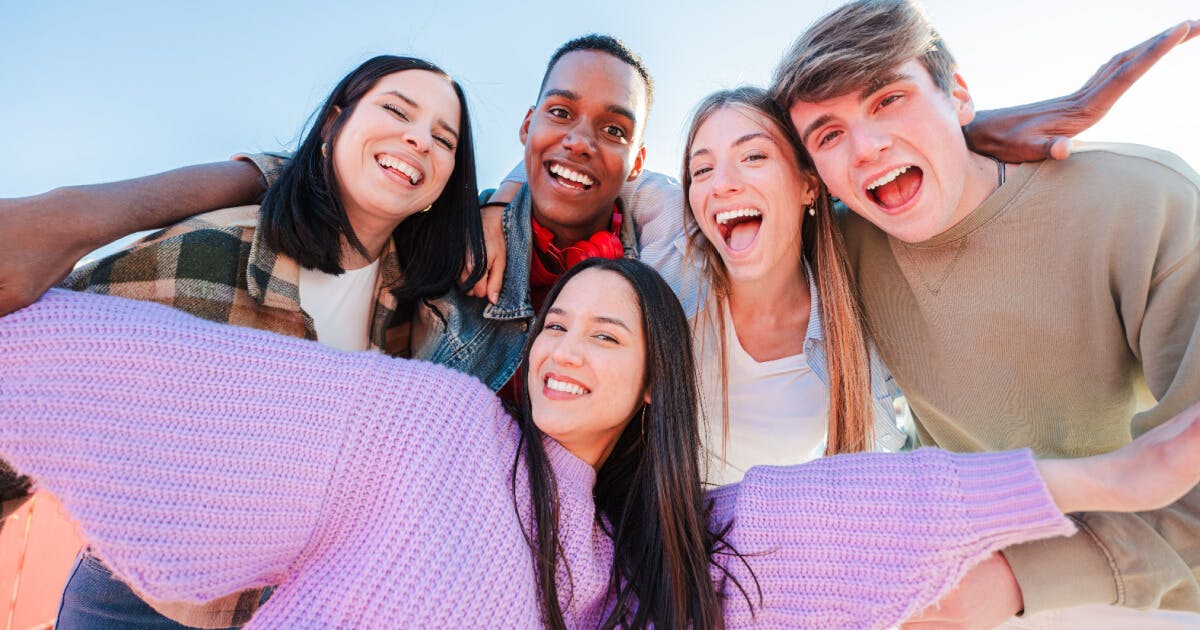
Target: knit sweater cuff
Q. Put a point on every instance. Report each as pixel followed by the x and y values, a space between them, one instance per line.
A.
pixel 1002 488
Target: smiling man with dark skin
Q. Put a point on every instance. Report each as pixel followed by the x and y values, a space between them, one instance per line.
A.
pixel 583 142
pixel 1016 305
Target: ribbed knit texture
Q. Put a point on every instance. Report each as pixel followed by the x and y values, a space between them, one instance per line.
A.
pixel 376 490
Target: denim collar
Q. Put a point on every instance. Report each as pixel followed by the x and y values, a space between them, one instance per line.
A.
pixel 514 301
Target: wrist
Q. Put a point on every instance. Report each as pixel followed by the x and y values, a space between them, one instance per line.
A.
pixel 64 206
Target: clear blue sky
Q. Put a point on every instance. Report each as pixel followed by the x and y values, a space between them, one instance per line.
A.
pixel 95 91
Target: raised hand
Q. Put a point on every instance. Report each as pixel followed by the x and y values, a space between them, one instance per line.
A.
pixel 1038 131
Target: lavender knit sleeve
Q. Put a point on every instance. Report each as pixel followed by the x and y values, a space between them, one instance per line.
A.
pixel 866 541
pixel 200 459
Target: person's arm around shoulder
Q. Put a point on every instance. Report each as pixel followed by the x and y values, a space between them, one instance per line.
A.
pixel 46 234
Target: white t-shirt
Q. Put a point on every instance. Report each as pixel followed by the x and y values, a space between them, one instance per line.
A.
pixel 340 306
pixel 778 412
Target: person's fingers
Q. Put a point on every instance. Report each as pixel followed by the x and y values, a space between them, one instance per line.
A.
pixel 1193 30
pixel 1058 147
pixel 495 279
pixel 1136 61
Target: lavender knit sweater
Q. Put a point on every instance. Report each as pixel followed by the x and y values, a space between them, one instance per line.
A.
pixel 202 459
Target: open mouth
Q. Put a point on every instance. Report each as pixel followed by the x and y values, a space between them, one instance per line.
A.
pixel 559 388
pixel 400 167
pixel 739 227
pixel 896 187
pixel 570 178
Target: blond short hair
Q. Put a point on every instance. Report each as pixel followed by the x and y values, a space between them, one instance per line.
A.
pixel 856 46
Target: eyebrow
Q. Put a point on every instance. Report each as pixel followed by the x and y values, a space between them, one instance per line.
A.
pixel 619 110
pixel 604 319
pixel 447 127
pixel 874 86
pixel 878 83
pixel 740 141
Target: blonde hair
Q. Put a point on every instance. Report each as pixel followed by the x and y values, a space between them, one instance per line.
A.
pixel 856 46
pixel 851 418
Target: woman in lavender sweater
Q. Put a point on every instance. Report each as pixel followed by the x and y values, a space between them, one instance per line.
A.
pixel 201 459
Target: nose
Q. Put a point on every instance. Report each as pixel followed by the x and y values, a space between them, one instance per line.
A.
pixel 725 180
pixel 868 142
pixel 567 351
pixel 580 140
pixel 418 137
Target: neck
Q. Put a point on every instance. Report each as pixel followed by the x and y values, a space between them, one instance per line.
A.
pixel 373 234
pixel 770 316
pixel 776 295
pixel 983 179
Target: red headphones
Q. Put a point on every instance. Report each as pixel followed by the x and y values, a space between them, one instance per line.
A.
pixel 553 262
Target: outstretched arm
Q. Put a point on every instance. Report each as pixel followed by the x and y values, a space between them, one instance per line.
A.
pixel 45 235
pixel 1028 133
pixel 904 528
pixel 227 447
pixel 1147 474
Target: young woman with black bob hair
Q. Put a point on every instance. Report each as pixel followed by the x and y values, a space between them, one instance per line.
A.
pixel 377 490
pixel 378 210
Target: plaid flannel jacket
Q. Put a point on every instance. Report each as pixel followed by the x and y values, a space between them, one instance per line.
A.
pixel 216 266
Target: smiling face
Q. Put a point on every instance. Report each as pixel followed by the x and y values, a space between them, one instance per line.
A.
pixel 895 153
pixel 587 365
pixel 747 192
pixel 395 151
pixel 583 140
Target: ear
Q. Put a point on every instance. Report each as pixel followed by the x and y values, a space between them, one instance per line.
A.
pixel 639 161
pixel 960 98
pixel 811 186
pixel 325 128
pixel 524 133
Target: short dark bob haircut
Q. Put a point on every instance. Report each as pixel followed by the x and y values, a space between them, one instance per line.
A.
pixel 303 216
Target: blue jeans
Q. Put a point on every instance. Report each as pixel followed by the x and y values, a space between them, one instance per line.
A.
pixel 95 600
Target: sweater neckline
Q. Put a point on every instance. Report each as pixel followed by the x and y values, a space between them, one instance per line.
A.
pixel 1017 176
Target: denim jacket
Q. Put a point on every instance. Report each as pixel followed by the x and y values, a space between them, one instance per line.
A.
pixel 473 336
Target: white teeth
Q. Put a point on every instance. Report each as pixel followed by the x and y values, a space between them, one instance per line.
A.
pixel 407 169
pixel 726 216
pixel 887 177
pixel 574 176
pixel 561 386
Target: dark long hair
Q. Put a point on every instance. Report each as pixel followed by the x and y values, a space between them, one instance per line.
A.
pixel 303 216
pixel 649 487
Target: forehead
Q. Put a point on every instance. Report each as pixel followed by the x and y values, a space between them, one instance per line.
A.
pixel 912 71
pixel 599 79
pixel 428 90
pixel 732 123
pixel 600 293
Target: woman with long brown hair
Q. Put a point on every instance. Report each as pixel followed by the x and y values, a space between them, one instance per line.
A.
pixel 787 372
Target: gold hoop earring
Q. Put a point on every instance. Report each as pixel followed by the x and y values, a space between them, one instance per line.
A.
pixel 644 423
pixel 324 149
pixel 425 209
